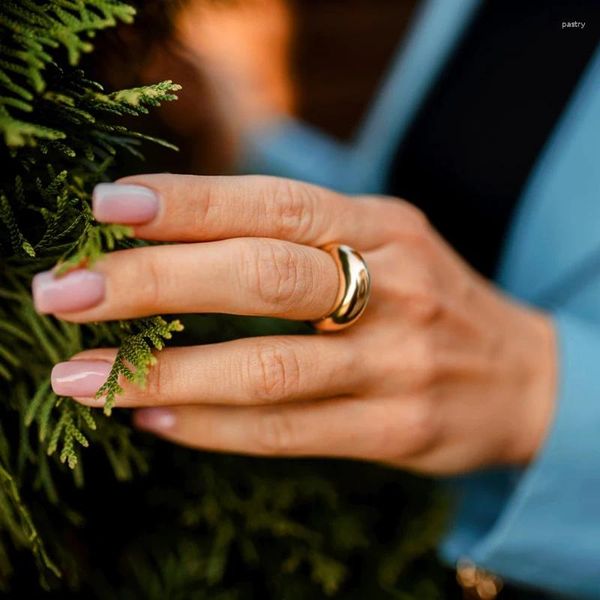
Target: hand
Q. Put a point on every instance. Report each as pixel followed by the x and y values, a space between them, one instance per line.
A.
pixel 442 374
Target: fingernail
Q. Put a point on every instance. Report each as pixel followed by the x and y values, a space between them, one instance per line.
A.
pixel 154 419
pixel 79 378
pixel 124 204
pixel 74 291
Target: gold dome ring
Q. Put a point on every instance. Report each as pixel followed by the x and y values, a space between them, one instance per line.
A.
pixel 354 289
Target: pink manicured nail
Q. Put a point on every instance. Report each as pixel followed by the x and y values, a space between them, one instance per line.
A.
pixel 74 291
pixel 124 204
pixel 154 419
pixel 79 378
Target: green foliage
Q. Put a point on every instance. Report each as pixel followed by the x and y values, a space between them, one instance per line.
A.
pixel 143 336
pixel 60 138
pixel 20 527
pixel 75 506
pixel 31 33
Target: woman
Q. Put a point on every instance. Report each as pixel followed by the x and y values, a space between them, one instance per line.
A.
pixel 489 126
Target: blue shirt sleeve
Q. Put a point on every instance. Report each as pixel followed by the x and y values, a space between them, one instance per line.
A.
pixel 288 148
pixel 541 527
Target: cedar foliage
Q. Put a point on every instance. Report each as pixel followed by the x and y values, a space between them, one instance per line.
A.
pixel 132 517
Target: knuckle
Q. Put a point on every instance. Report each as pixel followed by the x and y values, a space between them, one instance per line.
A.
pixel 275 434
pixel 424 302
pixel 151 285
pixel 274 373
pixel 156 387
pixel 277 276
pixel 418 291
pixel 420 421
pixel 425 360
pixel 414 218
pixel 293 205
pixel 386 437
pixel 207 212
pixel 414 229
pixel 408 432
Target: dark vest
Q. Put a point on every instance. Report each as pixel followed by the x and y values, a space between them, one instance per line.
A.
pixel 469 151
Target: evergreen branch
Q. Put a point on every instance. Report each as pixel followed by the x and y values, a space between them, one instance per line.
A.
pixel 141 98
pixel 135 355
pixel 58 139
pixel 14 511
pixel 21 133
pixel 17 239
pixel 93 243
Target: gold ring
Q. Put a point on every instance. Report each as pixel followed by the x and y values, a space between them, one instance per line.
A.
pixel 354 290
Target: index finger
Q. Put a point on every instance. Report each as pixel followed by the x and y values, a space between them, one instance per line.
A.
pixel 191 208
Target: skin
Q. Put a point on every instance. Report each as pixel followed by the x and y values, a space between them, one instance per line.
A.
pixel 443 373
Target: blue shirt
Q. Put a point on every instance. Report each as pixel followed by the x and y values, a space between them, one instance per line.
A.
pixel 539 526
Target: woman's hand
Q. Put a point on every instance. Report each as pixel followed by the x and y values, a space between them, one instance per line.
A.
pixel 442 374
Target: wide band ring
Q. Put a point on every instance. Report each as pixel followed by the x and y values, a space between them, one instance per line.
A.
pixel 354 290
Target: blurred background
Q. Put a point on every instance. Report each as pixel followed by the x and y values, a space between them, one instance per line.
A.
pixel 319 61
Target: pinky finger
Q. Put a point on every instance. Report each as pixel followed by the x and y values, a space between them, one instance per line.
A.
pixel 369 429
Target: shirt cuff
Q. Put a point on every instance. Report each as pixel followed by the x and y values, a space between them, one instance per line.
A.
pixel 541 526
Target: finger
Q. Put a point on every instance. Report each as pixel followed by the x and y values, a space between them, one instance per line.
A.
pixel 374 429
pixel 250 276
pixel 188 208
pixel 268 370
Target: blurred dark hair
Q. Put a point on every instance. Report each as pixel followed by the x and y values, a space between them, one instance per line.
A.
pixel 123 51
pixel 139 54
